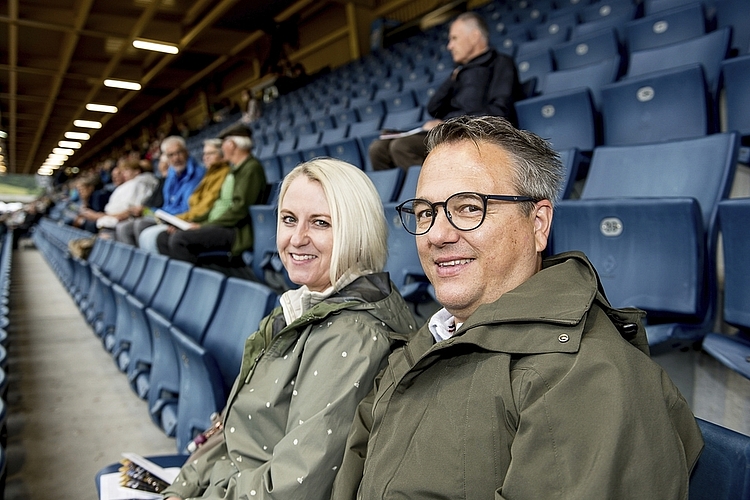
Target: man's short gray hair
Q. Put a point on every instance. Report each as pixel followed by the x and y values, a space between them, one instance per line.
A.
pixel 538 172
pixel 476 21
pixel 242 142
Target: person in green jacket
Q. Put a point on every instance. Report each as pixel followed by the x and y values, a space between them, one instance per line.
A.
pixel 527 384
pixel 316 356
pixel 227 226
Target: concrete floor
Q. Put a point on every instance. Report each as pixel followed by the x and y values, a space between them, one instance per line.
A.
pixel 71 412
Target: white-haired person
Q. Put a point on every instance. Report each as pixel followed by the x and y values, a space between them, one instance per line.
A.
pixel 316 356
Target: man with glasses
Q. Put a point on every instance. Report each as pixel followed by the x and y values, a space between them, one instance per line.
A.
pixel 527 384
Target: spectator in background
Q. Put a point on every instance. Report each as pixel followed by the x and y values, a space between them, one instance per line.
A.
pixel 136 187
pixel 528 384
pixel 484 82
pixel 227 226
pixel 202 199
pixel 183 177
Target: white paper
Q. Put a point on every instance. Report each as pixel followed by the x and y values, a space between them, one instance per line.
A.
pixel 171 219
pixel 109 484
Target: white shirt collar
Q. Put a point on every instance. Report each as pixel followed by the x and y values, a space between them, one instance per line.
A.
pixel 443 325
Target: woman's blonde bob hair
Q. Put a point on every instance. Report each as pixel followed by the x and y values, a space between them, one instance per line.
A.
pixel 360 233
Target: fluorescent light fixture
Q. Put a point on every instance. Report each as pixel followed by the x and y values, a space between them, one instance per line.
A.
pixel 69 144
pixel 3 134
pixel 102 108
pixel 87 124
pixel 63 151
pixel 122 84
pixel 155 46
pixel 57 157
pixel 79 136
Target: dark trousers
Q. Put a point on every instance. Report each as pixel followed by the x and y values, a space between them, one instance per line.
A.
pixel 403 152
pixel 188 245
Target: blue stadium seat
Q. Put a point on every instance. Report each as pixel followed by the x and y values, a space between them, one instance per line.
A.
pixel 96 260
pixel 573 162
pixel 702 169
pixel 370 111
pixel 734 350
pixel 103 312
pixel 530 47
pixel 567 119
pixel 558 24
pixel 631 243
pixel 664 28
pixel 209 367
pixel 403 119
pixel 654 6
pixel 400 102
pixel 707 50
pixel 121 327
pixel 661 106
pixel 409 185
pixel 347 151
pixel 333 135
pixel 403 263
pixel 735 75
pixel 387 182
pixel 587 49
pixel 191 316
pixel 723 469
pixel 307 141
pixel 606 14
pixel 289 161
pixel 592 76
pixel 736 15
pixel 286 146
pixel 313 152
pixel 366 126
pixel 272 169
pixel 264 236
pixel 534 66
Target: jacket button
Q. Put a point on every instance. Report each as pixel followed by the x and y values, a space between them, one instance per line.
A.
pixel 563 337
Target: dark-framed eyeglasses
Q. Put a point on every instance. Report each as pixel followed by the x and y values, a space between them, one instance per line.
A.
pixel 465 211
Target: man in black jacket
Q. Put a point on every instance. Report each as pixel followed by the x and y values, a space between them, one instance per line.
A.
pixel 484 82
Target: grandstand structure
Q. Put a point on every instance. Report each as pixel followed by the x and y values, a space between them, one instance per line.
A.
pixel 647 103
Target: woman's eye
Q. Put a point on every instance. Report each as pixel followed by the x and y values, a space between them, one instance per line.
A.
pixel 288 219
pixel 321 223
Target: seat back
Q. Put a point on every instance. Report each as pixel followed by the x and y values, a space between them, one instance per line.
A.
pixel 572 160
pixel 707 50
pixel 404 119
pixel 196 308
pixel 134 270
pixel 592 76
pixel 735 14
pixel 403 261
pixel 534 65
pixel 587 49
pixel 171 288
pixel 734 219
pixel 735 77
pixel 723 468
pixel 264 237
pixel 566 119
pixel 409 186
pixel 387 182
pixel 665 27
pixel 347 151
pixel 662 106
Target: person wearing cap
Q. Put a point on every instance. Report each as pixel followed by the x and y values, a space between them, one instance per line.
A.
pixel 227 226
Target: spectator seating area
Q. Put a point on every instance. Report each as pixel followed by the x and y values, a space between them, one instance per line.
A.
pixel 648 105
pixel 6 252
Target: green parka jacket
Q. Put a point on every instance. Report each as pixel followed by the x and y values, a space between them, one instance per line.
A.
pixel 547 393
pixel 293 402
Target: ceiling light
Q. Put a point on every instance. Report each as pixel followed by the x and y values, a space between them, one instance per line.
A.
pixel 155 46
pixel 87 124
pixel 3 134
pixel 57 157
pixel 122 84
pixel 79 136
pixel 102 108
pixel 63 151
pixel 69 144
pixel 50 162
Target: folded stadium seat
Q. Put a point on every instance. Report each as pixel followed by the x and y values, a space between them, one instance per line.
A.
pixel 388 88
pixel 529 13
pixel 364 147
pixel 735 14
pixel 399 102
pixel 734 350
pixel 508 44
pixel 95 261
pixel 708 50
pixel 592 76
pixel 333 135
pixel 701 169
pixel 387 183
pixel 367 126
pixel 120 290
pixel 192 314
pixel 533 66
pixel 588 49
pixel 723 468
pixel 346 117
pixel 84 269
pixel 369 111
pixel 735 75
pixel 666 27
pixel 307 141
pixel 272 168
pixel 604 14
pixel 575 165
pixel 363 89
pixel 555 24
pixel 348 151
pixel 101 314
pixel 424 94
pixel 305 127
pixel 661 106
pixel 313 152
pixel 266 150
pixel 324 122
pixel 536 46
pixel 289 161
pixel 404 119
pixel 209 367
pixel 286 146
pixel 403 263
pixel 409 185
pixel 152 289
pixel 417 78
pixel 567 119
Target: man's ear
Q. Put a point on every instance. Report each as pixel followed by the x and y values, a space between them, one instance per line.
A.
pixel 542 223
